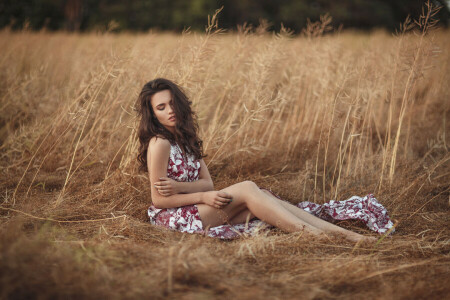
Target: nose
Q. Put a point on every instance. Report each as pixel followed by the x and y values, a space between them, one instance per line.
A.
pixel 170 109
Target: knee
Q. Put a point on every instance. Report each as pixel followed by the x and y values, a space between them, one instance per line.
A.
pixel 246 189
pixel 241 191
pixel 249 184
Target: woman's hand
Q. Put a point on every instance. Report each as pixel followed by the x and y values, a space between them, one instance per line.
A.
pixel 216 199
pixel 167 186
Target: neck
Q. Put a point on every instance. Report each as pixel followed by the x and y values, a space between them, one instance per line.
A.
pixel 171 129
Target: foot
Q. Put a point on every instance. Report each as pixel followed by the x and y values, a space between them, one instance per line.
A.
pixel 356 237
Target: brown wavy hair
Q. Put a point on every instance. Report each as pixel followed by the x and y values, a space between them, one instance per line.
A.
pixel 186 128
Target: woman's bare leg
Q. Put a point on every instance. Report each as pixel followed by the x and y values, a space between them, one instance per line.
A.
pixel 247 195
pixel 242 217
pixel 246 214
pixel 318 222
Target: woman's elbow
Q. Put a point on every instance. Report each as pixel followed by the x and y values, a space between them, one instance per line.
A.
pixel 157 203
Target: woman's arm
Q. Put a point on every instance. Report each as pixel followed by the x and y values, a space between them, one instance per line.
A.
pixel 167 186
pixel 157 160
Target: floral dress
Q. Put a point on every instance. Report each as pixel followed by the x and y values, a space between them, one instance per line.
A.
pixel 187 218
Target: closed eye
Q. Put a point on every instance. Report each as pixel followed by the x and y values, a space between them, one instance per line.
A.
pixel 162 106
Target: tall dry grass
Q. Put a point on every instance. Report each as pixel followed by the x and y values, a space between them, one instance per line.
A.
pixel 314 117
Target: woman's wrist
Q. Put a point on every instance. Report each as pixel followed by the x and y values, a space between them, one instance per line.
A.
pixel 202 197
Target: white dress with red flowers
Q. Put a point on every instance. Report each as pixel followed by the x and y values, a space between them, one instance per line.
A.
pixel 187 218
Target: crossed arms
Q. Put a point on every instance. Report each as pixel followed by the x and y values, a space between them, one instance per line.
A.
pixel 167 192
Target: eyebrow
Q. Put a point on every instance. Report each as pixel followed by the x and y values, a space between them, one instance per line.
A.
pixel 163 103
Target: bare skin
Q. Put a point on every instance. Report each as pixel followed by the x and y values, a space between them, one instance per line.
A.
pixel 248 198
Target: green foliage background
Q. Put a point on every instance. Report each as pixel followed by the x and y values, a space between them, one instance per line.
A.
pixel 142 15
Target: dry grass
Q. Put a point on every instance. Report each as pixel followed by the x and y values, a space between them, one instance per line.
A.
pixel 313 118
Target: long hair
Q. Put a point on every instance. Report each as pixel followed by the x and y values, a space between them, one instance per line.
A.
pixel 186 128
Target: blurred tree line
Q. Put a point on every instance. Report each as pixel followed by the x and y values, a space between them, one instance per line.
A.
pixel 141 15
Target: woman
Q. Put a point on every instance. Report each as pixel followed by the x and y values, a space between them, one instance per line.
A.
pixel 182 191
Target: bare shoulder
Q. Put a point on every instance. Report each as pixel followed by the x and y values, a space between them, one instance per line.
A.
pixel 158 145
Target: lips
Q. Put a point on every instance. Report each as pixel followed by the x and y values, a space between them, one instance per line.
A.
pixel 172 119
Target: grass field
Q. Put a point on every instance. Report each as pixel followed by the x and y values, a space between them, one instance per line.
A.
pixel 313 117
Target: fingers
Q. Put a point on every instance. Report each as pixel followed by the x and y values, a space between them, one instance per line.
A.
pixel 165 193
pixel 224 194
pixel 224 200
pixel 163 188
pixel 220 202
pixel 162 185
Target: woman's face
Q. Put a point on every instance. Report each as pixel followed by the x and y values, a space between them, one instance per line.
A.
pixel 162 104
